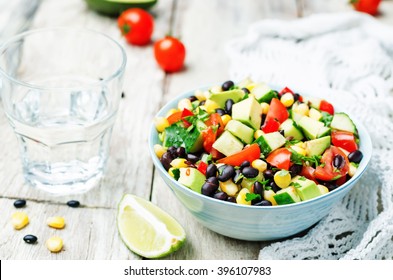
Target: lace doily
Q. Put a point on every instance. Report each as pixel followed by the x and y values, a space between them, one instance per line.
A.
pixel 350 55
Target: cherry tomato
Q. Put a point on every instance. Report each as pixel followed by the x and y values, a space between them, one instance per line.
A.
pixel 170 54
pixel 249 153
pixel 277 111
pixel 270 125
pixel 345 140
pixel 280 158
pixel 327 171
pixel 326 107
pixel 209 137
pixel 366 6
pixel 136 25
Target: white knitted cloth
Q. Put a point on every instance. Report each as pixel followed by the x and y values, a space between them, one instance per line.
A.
pixel 348 59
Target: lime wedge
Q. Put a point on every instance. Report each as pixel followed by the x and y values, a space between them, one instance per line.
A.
pixel 146 229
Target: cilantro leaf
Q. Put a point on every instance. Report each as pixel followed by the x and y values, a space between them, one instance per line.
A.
pixel 252 196
pixel 176 173
pixel 326 118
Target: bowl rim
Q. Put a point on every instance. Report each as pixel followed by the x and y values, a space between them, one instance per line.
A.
pixel 365 143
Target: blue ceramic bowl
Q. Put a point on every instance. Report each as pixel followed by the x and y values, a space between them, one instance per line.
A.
pixel 257 223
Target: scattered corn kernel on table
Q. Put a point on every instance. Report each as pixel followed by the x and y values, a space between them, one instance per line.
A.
pixel 90 231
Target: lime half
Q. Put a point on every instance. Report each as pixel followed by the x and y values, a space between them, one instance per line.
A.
pixel 146 229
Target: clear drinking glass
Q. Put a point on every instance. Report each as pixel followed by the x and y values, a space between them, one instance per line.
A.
pixel 61 89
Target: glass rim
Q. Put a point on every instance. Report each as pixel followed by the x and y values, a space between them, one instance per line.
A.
pixel 4 45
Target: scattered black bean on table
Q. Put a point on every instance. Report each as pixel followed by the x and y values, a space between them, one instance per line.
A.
pixel 73 203
pixel 20 203
pixel 30 239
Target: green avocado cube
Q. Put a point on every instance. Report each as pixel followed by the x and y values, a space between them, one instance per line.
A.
pixel 291 129
pixel 221 97
pixel 240 130
pixel 310 127
pixel 287 196
pixel 192 178
pixel 228 144
pixel 305 188
pixel 317 146
pixel 248 111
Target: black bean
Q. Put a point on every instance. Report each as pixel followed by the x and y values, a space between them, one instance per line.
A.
pixel 330 185
pixel 257 188
pixel 227 173
pixel 228 106
pixel 73 203
pixel 274 186
pixel 250 172
pixel 181 152
pixel 295 169
pixel 355 156
pixel 296 96
pixel 209 189
pixel 227 85
pixel 20 203
pixel 238 177
pixel 263 203
pixel 231 199
pixel 192 98
pixel 282 132
pixel 213 180
pixel 338 161
pixel 123 95
pixel 192 158
pixel 245 163
pixel 30 239
pixel 211 170
pixel 172 151
pixel 221 196
pixel 220 111
pixel 166 160
pixel 202 103
pixel 268 174
pixel 245 90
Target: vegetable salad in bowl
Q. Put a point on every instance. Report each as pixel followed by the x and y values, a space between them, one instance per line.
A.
pixel 249 144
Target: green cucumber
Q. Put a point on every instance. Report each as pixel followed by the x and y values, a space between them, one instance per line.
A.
pixel 116 7
pixel 343 122
pixel 270 142
pixel 291 129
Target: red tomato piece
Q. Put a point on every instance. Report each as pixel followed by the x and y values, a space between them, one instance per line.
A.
pixel 285 90
pixel 209 137
pixel 216 154
pixel 270 126
pixel 136 25
pixel 326 107
pixel 169 53
pixel 327 171
pixel 280 158
pixel 277 111
pixel 366 6
pixel 341 181
pixel 202 167
pixel 309 173
pixel 249 153
pixel 186 113
pixel 174 118
pixel 345 140
pixel 215 119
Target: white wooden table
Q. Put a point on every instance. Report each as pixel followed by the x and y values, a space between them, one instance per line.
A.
pixel 90 233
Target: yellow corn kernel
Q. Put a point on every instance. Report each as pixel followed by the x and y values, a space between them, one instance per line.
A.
pixel 323 189
pixel 302 109
pixel 282 178
pixel 352 170
pixel 19 220
pixel 210 106
pixel 184 103
pixel 314 114
pixel 179 163
pixel 287 99
pixel 241 197
pixel 54 244
pixel 301 145
pixel 171 112
pixel 56 222
pixel 229 187
pixel 216 89
pixel 259 164
pixel 225 119
pixel 269 196
pixel 200 95
pixel 299 150
pixel 161 123
pixel 159 150
pixel 258 133
pixel 265 107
